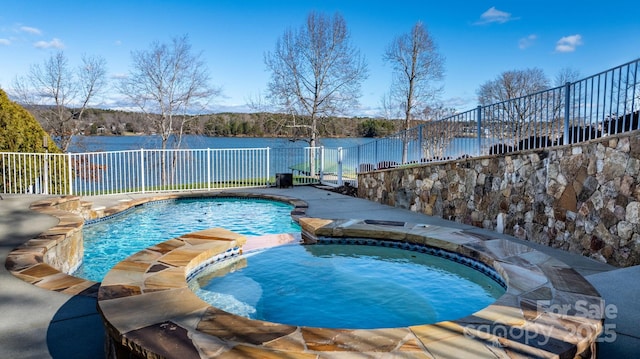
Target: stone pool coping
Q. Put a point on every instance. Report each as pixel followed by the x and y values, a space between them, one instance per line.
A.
pixel 163 318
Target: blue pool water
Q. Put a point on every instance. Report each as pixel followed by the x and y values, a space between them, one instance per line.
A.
pixel 345 286
pixel 110 241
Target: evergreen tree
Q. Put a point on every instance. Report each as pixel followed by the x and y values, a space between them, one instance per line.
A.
pixel 19 130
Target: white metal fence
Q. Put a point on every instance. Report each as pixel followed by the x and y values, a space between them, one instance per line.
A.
pixel 141 171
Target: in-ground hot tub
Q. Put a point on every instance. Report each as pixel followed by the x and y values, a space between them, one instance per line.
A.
pixel 354 283
pixel 149 310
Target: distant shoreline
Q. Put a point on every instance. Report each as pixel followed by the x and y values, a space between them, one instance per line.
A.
pixel 134 134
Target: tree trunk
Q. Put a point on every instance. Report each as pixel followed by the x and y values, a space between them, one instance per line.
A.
pixel 312 144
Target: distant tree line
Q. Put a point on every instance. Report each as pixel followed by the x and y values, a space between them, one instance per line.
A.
pixel 279 125
pixel 105 122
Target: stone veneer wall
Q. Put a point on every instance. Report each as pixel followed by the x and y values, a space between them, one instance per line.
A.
pixel 63 245
pixel 583 198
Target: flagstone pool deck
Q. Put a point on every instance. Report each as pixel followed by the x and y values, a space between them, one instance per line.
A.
pixel 62 321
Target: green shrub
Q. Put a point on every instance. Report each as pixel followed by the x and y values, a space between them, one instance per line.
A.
pixel 19 130
pixel 21 133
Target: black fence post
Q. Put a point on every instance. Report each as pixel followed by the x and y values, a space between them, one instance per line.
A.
pixel 567 99
pixel 479 124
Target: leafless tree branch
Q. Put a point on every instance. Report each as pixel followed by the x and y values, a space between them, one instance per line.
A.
pixel 58 95
pixel 315 71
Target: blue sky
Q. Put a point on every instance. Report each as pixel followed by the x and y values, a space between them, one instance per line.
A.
pixel 478 39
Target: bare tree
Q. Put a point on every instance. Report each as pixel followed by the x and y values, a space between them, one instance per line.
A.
pixel 170 85
pixel 512 111
pixel 92 75
pixel 261 105
pixel 439 129
pixel 577 89
pixel 566 74
pixel 315 71
pixel 387 109
pixel 59 95
pixel 512 84
pixel 437 111
pixel 417 65
pixel 257 103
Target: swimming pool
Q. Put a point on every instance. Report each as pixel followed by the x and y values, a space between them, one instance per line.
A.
pixel 345 286
pixel 108 241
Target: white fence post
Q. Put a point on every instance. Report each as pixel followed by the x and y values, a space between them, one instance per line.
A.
pixel 142 169
pixel 339 159
pixel 208 169
pixel 267 169
pixel 70 174
pixel 45 188
pixel 321 178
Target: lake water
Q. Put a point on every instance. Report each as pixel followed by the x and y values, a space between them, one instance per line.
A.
pixel 121 143
pixel 356 150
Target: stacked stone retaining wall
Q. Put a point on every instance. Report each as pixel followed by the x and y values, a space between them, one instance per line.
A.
pixel 583 198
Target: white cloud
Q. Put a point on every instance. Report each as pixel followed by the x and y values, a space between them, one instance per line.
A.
pixel 53 44
pixel 118 76
pixel 117 43
pixel 569 43
pixel 5 42
pixel 494 15
pixel 526 42
pixel 460 102
pixel 30 30
pixel 218 108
